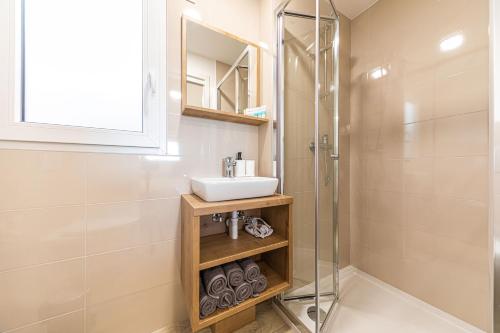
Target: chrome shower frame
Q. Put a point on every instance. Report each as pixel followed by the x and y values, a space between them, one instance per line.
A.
pixel 281 13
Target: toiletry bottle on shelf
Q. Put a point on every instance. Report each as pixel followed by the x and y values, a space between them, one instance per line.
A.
pixel 239 169
pixel 233 225
pixel 250 168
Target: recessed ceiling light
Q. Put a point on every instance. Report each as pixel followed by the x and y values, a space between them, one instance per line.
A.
pixel 451 43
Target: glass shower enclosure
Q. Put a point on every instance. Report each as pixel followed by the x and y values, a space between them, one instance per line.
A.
pixel 307 154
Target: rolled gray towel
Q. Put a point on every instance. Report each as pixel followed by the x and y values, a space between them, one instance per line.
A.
pixel 243 292
pixel 227 298
pixel 208 304
pixel 234 274
pixel 215 280
pixel 250 269
pixel 259 285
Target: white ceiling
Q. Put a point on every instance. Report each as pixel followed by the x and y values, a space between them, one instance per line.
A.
pixel 352 8
pixel 212 45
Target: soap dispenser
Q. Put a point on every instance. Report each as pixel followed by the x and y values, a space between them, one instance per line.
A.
pixel 239 168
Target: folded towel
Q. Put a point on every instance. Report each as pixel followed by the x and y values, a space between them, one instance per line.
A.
pixel 227 298
pixel 208 304
pixel 259 111
pixel 259 285
pixel 243 292
pixel 215 280
pixel 250 268
pixel 234 274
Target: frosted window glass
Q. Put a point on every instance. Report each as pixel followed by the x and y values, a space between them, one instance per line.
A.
pixel 83 63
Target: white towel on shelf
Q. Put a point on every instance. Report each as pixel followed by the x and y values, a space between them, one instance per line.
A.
pixel 259 111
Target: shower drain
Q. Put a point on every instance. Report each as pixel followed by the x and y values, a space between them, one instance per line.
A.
pixel 311 312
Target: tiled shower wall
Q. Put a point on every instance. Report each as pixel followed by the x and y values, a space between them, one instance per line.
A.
pixel 90 242
pixel 419 152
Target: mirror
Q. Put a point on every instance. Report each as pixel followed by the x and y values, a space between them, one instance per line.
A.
pixel 220 72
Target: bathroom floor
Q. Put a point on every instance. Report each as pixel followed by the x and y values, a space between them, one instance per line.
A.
pixel 366 305
pixel 267 321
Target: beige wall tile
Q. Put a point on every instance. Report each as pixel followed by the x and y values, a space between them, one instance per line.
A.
pixel 471 258
pixel 124 272
pixel 386 239
pixel 462 84
pixel 419 139
pixel 40 179
pixel 462 135
pixel 419 94
pixel 419 176
pixel 142 312
pixel 420 246
pixel 384 207
pixel 36 236
pixel 360 231
pixel 113 178
pixel 430 238
pixel 38 293
pixel 442 216
pixel 391 140
pixel 462 177
pixel 385 268
pixel 72 322
pixel 383 174
pixel 419 213
pixel 455 297
pixel 122 225
pixel 462 220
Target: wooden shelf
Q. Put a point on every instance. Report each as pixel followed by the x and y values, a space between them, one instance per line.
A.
pixel 201 207
pixel 199 112
pixel 220 249
pixel 274 253
pixel 276 284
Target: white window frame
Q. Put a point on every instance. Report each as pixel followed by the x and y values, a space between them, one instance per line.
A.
pixel 14 133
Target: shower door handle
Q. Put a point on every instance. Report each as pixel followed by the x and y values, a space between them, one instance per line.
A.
pixel 334 157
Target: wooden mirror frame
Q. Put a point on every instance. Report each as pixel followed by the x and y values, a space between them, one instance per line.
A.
pixel 196 111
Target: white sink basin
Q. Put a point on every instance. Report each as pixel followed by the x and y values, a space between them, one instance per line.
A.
pixel 220 189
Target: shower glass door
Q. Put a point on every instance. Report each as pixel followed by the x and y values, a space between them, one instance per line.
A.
pixel 308 156
pixel 327 161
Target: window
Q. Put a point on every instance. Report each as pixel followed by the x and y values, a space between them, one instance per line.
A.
pixel 86 73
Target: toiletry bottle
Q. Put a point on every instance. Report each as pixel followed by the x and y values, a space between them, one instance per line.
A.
pixel 233 225
pixel 239 169
pixel 250 168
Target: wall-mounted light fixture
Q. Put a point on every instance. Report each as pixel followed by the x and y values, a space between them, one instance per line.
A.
pixel 192 13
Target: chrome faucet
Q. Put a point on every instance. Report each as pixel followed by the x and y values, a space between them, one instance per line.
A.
pixel 229 164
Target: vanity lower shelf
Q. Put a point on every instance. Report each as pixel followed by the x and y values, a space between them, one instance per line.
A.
pixel 220 248
pixel 276 285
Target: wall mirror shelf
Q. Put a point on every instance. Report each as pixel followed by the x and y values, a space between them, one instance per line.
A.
pixel 220 75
